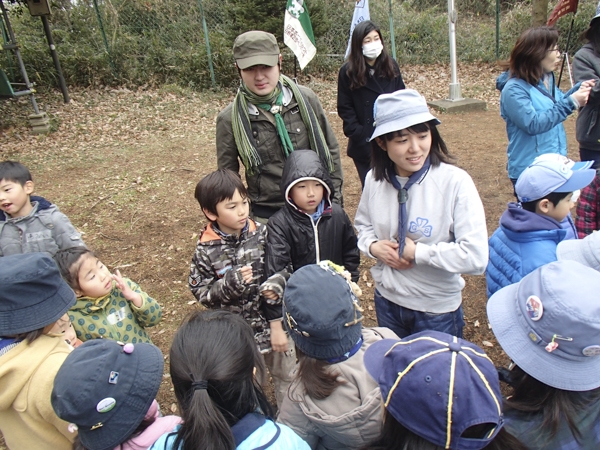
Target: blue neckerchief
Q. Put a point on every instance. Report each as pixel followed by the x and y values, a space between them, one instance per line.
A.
pixel 319 212
pixel 416 177
pixel 348 354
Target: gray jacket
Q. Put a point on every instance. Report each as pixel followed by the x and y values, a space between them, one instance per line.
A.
pixel 45 229
pixel 263 186
pixel 586 66
pixel 352 416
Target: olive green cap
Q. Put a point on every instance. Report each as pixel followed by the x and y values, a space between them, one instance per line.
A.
pixel 255 48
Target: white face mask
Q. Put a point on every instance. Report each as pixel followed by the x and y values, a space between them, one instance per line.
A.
pixel 372 50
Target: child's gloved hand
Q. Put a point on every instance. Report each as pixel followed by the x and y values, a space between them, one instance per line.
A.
pixel 128 293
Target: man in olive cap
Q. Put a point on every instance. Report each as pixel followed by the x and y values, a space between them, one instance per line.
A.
pixel 270 117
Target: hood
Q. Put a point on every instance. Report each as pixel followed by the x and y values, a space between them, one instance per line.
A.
pixel 211 233
pixel 18 365
pixel 519 220
pixel 42 204
pixel 502 79
pixel 301 165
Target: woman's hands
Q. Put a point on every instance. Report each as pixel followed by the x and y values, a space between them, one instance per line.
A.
pixel 387 252
pixel 582 94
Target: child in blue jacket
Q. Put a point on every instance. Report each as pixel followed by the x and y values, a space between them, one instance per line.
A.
pixel 530 231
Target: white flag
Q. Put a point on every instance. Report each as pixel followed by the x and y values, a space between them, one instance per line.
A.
pixel 361 13
pixel 298 33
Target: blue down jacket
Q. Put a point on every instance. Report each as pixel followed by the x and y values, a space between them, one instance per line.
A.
pixel 523 242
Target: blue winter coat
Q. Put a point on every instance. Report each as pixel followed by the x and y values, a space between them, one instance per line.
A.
pixel 534 120
pixel 523 242
pixel 254 431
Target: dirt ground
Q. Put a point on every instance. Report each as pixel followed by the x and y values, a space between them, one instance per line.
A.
pixel 123 164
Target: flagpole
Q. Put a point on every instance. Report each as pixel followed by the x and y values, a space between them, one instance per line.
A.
pixel 295 68
pixel 566 52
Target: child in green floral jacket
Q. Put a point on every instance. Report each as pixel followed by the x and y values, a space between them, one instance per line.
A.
pixel 108 305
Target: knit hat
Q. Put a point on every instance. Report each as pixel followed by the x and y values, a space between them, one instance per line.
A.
pixel 545 176
pixel 438 386
pixel 321 313
pixel 549 325
pixel 585 251
pixel 106 388
pixel 255 47
pixel 399 110
pixel 32 293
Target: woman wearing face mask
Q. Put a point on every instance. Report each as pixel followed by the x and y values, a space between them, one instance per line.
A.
pixel 369 72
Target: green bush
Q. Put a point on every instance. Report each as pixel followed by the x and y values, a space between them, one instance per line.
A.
pixel 158 42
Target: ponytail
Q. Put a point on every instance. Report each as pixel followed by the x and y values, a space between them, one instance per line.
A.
pixel 213 357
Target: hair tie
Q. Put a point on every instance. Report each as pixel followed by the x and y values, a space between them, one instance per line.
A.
pixel 201 384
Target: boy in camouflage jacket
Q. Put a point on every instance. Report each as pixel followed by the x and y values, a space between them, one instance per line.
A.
pixel 227 271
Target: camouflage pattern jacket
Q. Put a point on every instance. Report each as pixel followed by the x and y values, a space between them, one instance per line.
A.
pixel 216 282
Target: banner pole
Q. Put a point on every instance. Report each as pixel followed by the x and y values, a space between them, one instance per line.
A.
pixel 566 52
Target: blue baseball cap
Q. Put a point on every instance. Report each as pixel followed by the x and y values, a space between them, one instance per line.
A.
pixel 438 386
pixel 546 176
pixel 399 110
pixel 549 324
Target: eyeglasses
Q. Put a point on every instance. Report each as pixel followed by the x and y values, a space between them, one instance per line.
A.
pixel 554 50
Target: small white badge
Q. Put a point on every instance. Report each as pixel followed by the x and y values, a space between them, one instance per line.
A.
pixel 534 307
pixel 591 350
pixel 106 404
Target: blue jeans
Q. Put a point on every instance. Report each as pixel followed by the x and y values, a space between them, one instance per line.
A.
pixel 404 321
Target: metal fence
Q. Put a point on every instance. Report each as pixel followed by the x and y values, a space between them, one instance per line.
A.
pixel 188 42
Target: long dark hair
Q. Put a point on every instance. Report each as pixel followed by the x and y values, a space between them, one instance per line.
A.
pixel 381 162
pixel 395 436
pixel 526 57
pixel 317 377
pixel 592 35
pixel 556 406
pixel 217 349
pixel 357 66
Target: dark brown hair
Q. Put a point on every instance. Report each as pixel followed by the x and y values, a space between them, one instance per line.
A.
pixel 553 197
pixel 526 57
pixel 216 348
pixel 69 261
pixel 218 186
pixel 382 164
pixel 318 378
pixel 29 336
pixel 14 171
pixel 556 406
pixel 357 66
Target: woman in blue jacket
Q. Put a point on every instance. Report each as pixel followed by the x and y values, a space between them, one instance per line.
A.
pixel 531 105
pixel 369 72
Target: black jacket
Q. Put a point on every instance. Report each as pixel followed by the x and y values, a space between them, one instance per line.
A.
pixel 355 108
pixel 292 237
pixel 586 66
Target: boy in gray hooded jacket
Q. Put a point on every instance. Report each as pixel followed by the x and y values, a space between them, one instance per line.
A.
pixel 30 224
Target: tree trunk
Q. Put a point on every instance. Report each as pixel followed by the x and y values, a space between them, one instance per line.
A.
pixel 539 13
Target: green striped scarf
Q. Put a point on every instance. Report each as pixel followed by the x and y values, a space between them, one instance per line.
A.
pixel 242 131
